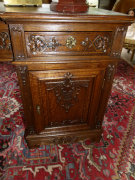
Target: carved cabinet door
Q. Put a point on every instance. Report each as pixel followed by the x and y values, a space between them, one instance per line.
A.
pixel 65 98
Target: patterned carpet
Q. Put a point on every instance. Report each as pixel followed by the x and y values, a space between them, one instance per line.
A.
pixel 112 158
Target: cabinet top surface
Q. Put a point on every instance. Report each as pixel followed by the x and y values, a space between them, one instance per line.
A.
pixel 45 13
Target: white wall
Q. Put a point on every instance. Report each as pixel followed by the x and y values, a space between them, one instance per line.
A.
pixel 93 2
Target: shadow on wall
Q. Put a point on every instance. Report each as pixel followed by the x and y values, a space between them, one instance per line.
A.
pixel 106 4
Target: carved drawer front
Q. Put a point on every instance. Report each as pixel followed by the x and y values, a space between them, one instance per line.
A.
pixel 69 43
pixel 64 98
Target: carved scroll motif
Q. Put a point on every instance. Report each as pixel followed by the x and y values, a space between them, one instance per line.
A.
pixel 100 43
pixel 67 90
pixel 4 41
pixel 40 44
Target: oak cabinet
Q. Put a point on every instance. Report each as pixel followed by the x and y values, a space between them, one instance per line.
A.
pixel 65 65
pixel 67 104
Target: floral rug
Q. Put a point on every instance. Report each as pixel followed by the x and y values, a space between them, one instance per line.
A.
pixel 112 158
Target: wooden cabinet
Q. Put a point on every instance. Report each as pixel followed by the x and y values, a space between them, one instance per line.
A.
pixel 65 65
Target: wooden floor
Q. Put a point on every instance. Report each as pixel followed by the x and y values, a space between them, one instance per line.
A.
pixel 126 56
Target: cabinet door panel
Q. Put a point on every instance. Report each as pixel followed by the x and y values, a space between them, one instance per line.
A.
pixel 62 98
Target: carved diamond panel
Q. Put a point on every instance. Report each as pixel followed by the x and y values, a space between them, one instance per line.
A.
pixel 100 43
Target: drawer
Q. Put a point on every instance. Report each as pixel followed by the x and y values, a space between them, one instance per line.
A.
pixel 68 43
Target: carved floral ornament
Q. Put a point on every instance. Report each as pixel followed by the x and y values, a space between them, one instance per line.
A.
pixel 4 41
pixel 67 91
pixel 39 44
pixel 71 42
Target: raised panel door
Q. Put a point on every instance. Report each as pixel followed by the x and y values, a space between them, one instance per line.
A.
pixel 65 98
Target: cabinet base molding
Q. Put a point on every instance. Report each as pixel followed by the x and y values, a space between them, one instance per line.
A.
pixel 35 141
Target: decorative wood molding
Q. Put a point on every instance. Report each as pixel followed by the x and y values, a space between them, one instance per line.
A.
pixel 100 43
pixel 23 73
pixel 67 90
pixel 4 41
